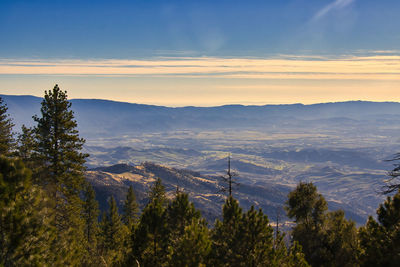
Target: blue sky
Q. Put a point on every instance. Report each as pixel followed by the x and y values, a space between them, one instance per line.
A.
pixel 121 29
pixel 315 30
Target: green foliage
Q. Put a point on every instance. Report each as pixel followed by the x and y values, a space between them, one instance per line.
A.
pixel 7 142
pixel 114 233
pixel 296 257
pixel 157 193
pixel 327 239
pixel 25 233
pixel 91 230
pixel 184 226
pixel 193 247
pixel 380 241
pixel 242 239
pixel 26 147
pixel 61 173
pixel 179 214
pixel 130 209
pixel 150 244
pixel 306 206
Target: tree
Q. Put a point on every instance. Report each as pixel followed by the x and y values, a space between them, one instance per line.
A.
pixel 25 233
pixel 26 146
pixel 257 239
pixel 7 141
pixel 380 240
pixel 130 209
pixel 393 184
pixel 327 239
pixel 91 230
pixel 193 247
pixel 113 235
pixel 224 250
pixel 228 179
pixel 181 214
pixel 61 173
pixel 150 239
pixel 246 239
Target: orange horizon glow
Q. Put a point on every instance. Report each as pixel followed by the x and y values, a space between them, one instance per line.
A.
pixel 209 81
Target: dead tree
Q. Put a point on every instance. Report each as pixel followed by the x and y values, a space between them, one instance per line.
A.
pixel 228 179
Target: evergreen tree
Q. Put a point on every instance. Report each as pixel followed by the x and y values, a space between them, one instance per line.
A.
pixel 225 234
pixel 193 248
pixel 380 240
pixel 25 233
pixel 308 209
pixel 256 239
pixel 91 231
pixel 26 148
pixel 150 238
pixel 296 257
pixel 179 214
pixel 61 173
pixel 327 239
pixel 113 236
pixel 7 142
pixel 130 209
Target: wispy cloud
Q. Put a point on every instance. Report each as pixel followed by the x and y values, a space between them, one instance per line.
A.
pixel 372 67
pixel 335 5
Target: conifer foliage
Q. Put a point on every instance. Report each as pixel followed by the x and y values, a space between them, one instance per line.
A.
pixel 327 239
pixel 25 233
pixel 7 141
pixel 61 173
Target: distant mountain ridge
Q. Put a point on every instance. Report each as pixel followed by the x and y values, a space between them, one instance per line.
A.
pixel 107 118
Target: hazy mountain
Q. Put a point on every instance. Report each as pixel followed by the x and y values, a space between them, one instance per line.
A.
pixel 109 118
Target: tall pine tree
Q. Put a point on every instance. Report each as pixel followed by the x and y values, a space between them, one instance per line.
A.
pixel 113 234
pixel 61 173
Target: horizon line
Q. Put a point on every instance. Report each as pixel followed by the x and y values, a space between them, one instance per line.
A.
pixel 213 106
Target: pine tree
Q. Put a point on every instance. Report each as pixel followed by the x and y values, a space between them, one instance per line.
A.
pixel 327 239
pixel 113 236
pixel 61 173
pixel 91 231
pixel 25 232
pixel 150 238
pixel 296 257
pixel 130 209
pixel 26 147
pixel 7 142
pixel 308 208
pixel 256 239
pixel 380 240
pixel 225 236
pixel 193 247
pixel 179 214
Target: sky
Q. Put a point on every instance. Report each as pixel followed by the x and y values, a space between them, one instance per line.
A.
pixel 203 53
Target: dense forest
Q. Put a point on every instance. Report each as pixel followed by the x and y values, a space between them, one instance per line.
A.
pixel 49 215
